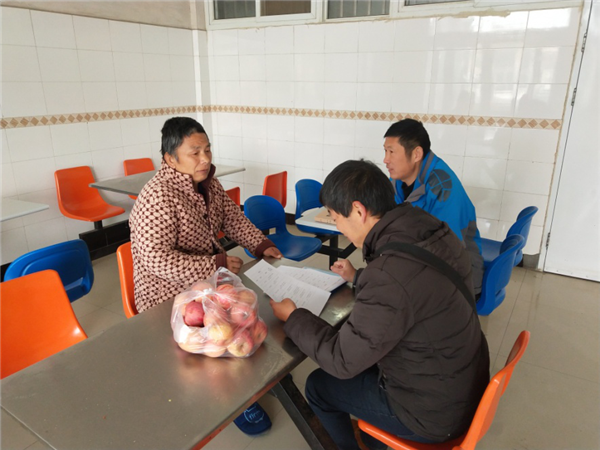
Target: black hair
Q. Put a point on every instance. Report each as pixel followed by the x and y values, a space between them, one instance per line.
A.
pixel 359 181
pixel 174 131
pixel 411 133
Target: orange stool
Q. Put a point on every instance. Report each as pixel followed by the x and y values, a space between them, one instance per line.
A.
pixel 77 200
pixel 133 166
pixel 37 320
pixel 275 186
pixel 234 194
pixel 125 262
pixel 483 416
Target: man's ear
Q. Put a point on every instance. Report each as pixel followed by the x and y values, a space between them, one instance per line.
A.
pixel 417 154
pixel 360 210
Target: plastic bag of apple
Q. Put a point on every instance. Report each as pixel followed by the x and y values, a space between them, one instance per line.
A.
pixel 218 317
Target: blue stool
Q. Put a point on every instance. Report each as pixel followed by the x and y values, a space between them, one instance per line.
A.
pixel 70 259
pixel 265 213
pixel 490 249
pixel 497 275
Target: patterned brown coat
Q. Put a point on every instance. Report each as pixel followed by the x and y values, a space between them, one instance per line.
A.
pixel 174 234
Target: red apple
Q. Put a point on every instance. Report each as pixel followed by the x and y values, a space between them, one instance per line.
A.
pixel 193 314
pixel 220 333
pixel 259 332
pixel 242 314
pixel 242 345
pixel 201 286
pixel 224 278
pixel 185 297
pixel 213 350
pixel 214 313
pixel 247 296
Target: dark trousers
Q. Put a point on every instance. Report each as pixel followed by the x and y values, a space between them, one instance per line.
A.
pixel 333 400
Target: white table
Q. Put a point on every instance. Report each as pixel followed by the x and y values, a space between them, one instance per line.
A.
pixel 133 184
pixel 11 208
pixel 333 250
pixel 308 220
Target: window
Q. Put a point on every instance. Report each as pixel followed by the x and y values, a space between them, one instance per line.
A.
pixel 234 9
pixel 428 2
pixel 337 9
pixel 238 9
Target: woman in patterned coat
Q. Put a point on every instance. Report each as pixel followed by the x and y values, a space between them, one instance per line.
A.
pixel 177 216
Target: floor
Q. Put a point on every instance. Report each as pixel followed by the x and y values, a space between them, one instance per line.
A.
pixel 553 401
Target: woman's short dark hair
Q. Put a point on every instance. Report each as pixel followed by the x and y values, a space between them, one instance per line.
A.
pixel 359 181
pixel 411 134
pixel 174 131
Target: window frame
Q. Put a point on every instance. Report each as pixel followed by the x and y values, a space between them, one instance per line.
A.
pixel 398 10
pixel 262 21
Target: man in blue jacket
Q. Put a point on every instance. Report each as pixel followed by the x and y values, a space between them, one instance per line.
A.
pixel 425 180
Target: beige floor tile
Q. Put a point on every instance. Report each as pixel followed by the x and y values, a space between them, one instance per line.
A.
pixel 82 307
pixel 558 290
pixel 39 445
pixel 552 402
pixel 231 438
pixel 301 372
pixel 565 335
pixel 544 409
pixel 13 435
pixel 116 307
pixel 99 321
pixel 106 288
pixel 282 436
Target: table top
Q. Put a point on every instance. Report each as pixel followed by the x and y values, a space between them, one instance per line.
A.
pixel 133 184
pixel 308 219
pixel 132 387
pixel 12 208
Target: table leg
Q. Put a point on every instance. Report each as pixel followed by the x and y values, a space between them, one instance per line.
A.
pixel 303 416
pixel 334 243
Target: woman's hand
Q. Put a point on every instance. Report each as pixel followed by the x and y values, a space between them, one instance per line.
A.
pixel 283 309
pixel 345 269
pixel 273 252
pixel 234 264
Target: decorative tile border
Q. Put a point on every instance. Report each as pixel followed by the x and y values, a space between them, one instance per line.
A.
pixel 446 119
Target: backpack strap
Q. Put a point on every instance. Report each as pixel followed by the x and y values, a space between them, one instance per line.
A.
pixel 434 261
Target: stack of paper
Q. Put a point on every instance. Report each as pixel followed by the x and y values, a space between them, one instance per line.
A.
pixel 324 217
pixel 308 288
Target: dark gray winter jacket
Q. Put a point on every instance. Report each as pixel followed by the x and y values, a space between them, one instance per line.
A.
pixel 411 322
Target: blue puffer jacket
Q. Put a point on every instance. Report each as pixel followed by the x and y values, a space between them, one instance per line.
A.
pixel 438 191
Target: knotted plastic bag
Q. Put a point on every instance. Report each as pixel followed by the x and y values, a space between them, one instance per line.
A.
pixel 218 317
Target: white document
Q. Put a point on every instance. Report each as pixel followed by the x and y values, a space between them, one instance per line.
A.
pixel 320 278
pixel 278 285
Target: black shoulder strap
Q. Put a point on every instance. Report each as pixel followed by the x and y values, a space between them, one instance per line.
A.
pixel 433 261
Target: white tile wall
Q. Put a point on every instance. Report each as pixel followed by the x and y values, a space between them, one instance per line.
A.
pixel 125 37
pixel 96 65
pixel 30 143
pixel 456 33
pixel 53 30
pixel 91 34
pixel 414 35
pixel 23 99
pixel 154 39
pixel 517 65
pixel 341 38
pixel 17 28
pixel 99 96
pixel 20 63
pixel 62 64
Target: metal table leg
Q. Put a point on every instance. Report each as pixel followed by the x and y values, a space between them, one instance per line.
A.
pixel 303 416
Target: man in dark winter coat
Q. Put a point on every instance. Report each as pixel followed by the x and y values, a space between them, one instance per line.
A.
pixel 411 358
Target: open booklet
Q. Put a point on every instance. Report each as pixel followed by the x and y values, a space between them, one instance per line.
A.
pixel 309 288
